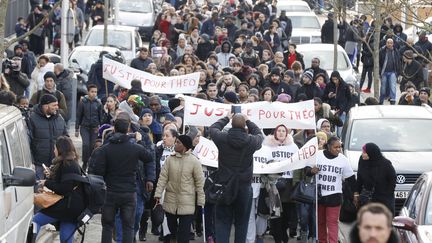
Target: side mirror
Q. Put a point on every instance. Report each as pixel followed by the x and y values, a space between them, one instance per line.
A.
pixel 21 176
pixel 404 223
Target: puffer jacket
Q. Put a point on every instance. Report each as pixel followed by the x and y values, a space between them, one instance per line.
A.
pixel 43 132
pixel 89 113
pixel 183 179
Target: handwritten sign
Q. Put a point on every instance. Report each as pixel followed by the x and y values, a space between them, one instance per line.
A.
pixel 122 75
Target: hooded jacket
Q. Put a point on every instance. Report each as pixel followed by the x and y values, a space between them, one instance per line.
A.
pixel 378 174
pixel 235 142
pixel 64 85
pixel 223 57
pixel 354 236
pixel 204 48
pixel 18 82
pixel 43 133
pixel 342 100
pixel 59 95
pixel 89 113
pixel 118 161
pixel 95 77
pixel 310 90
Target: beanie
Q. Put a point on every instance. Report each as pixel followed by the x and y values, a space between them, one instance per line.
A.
pixel 231 97
pixel 426 90
pixel 186 141
pixel 50 74
pixel 289 73
pixel 47 99
pixel 309 74
pixel 236 45
pixel 146 111
pixel 275 71
pixel 284 98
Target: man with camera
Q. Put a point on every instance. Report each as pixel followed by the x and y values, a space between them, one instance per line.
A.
pixel 17 80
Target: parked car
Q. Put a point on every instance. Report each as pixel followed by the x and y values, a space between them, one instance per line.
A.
pixel 403 134
pixel 138 13
pixel 326 55
pixel 306 27
pixel 292 6
pixel 17 177
pixel 125 38
pixel 414 223
pixel 84 57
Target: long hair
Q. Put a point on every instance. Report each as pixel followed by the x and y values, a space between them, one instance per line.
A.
pixel 66 154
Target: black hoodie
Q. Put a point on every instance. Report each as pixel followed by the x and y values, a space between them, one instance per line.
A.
pixel 118 161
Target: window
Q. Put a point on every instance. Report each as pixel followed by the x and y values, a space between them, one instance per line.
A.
pixel 414 199
pixel 326 59
pixel 136 6
pixel 25 144
pixel 15 145
pixel 308 22
pixel 5 163
pixel 116 38
pixel 392 135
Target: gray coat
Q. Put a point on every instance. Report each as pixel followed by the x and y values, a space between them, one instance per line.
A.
pixel 64 85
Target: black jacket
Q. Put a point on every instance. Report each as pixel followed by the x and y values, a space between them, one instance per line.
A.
pixel 64 85
pixel 378 173
pixel 235 142
pixel 396 59
pixel 89 113
pixel 72 205
pixel 43 132
pixel 18 82
pixel 299 58
pixel 280 88
pixel 95 77
pixel 311 91
pixel 140 64
pixel 327 32
pixel 354 236
pixel 118 162
pixel 412 72
pixel 342 100
pixel 203 50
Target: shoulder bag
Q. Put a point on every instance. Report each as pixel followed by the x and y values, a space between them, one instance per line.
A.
pixel 305 192
pixel 45 199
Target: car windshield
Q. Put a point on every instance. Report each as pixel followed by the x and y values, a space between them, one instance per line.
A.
pixel 84 58
pixel 136 6
pixel 326 59
pixel 392 135
pixel 293 8
pixel 308 22
pixel 116 38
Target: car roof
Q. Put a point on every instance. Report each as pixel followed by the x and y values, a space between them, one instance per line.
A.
pixel 391 111
pixel 301 14
pixel 289 3
pixel 114 27
pixel 95 48
pixel 317 47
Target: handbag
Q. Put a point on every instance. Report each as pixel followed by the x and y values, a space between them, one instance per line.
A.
pixel 221 186
pixel 46 199
pixel 365 196
pixel 304 192
pixel 157 214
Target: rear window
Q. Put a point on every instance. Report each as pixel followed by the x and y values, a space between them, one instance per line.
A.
pixel 309 22
pixel 392 135
pixel 326 59
pixel 116 38
pixel 293 8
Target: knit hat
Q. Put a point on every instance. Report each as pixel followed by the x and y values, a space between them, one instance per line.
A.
pixel 205 37
pixel 146 111
pixel 408 54
pixel 50 74
pixel 289 73
pixel 308 73
pixel 231 97
pixel 135 100
pixel 18 46
pixel 426 90
pixel 236 45
pixel 284 98
pixel 173 103
pixel 47 99
pixel 275 71
pixel 186 141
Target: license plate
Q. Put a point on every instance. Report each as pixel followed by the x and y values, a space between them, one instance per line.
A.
pixel 401 194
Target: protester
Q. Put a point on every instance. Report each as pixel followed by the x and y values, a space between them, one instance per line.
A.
pixel 389 71
pixel 231 142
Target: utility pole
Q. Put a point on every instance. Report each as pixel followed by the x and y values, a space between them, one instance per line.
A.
pixel 116 11
pixel 106 23
pixel 64 46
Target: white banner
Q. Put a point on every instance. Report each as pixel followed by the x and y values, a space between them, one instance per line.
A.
pixel 207 153
pixel 122 75
pixel 300 115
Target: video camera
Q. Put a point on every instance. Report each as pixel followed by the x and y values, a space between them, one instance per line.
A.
pixel 10 65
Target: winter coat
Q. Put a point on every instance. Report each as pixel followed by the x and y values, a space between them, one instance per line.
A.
pixel 396 60
pixel 299 58
pixel 342 100
pixel 311 91
pixel 117 162
pixel 203 50
pixel 354 236
pixel 327 32
pixel 412 72
pixel 276 41
pixel 280 88
pixel 232 143
pixel 377 174
pixel 95 77
pixel 73 203
pixel 160 115
pixel 43 133
pixel 59 95
pixel 89 113
pixel 223 57
pixel 37 77
pixel 64 85
pixel 182 179
pixel 140 64
pixel 18 82
pixel 262 8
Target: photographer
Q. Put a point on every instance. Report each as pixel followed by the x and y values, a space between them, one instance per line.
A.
pixel 17 80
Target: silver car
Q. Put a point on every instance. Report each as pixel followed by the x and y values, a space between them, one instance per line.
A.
pixel 402 132
pixel 138 13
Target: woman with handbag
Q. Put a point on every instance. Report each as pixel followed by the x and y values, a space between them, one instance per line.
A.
pixel 66 210
pixel 376 178
pixel 331 169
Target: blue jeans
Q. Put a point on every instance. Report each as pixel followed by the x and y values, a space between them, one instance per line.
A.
pixel 388 79
pixel 307 215
pixel 126 203
pixel 67 229
pixel 341 116
pixel 138 212
pixel 238 213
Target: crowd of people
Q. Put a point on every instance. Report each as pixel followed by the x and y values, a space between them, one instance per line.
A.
pixel 137 141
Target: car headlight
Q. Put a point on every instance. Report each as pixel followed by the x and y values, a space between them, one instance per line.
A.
pixel 316 39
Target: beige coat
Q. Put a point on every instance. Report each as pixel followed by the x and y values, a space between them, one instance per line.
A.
pixel 183 179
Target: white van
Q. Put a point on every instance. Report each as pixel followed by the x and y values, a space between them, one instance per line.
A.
pixel 17 177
